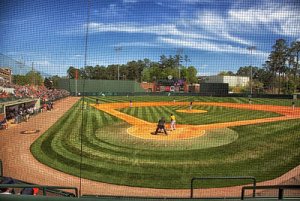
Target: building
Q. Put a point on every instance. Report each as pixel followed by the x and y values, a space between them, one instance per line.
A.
pixel 6 74
pixel 148 86
pixel 232 81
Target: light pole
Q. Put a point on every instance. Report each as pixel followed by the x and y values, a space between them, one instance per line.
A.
pixel 179 51
pixel 118 49
pixel 251 48
pixel 21 64
pixel 33 73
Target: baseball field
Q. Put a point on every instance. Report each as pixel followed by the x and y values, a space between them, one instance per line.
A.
pixel 112 141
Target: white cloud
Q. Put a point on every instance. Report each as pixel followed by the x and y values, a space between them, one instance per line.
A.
pixel 282 19
pixel 218 26
pixel 137 44
pixel 112 10
pixel 42 63
pixel 195 1
pixel 130 1
pixel 202 45
pixel 161 29
pixel 25 54
pixel 211 46
pixel 202 67
pixel 209 30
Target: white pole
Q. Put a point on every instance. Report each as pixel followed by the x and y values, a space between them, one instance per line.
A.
pixel 118 49
pixel 251 48
pixel 76 87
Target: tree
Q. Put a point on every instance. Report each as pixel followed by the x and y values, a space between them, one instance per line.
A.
pixel 164 62
pixel 170 62
pixel 20 79
pixel 277 61
pixel 34 78
pixel 246 71
pixel 264 76
pixel 191 75
pixel 100 73
pixel 55 79
pixel 146 77
pixel 88 72
pixel 48 83
pixel 31 78
pixel 112 72
pixel 294 52
pixel 186 59
pixel 177 60
pixel 258 86
pixel 147 62
pixel 134 70
pixel 141 70
pixel 226 73
pixel 72 72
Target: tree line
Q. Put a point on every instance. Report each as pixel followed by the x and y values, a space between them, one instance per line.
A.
pixel 279 74
pixel 140 71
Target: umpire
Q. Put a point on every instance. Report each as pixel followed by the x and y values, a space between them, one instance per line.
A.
pixel 161 125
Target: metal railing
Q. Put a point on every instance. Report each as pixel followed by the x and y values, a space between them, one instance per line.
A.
pixel 280 188
pixel 223 178
pixel 44 189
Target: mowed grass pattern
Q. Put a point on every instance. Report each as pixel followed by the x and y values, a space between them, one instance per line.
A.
pixel 108 154
pixel 214 114
pixel 263 101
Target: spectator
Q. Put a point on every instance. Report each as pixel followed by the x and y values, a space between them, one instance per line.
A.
pixel 4 123
pixel 32 92
pixel 35 191
pixel 6 190
pixel 27 191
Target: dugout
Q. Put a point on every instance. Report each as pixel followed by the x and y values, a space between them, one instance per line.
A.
pixel 6 108
pixel 214 89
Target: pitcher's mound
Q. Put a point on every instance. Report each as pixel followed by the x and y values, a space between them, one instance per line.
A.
pixel 191 111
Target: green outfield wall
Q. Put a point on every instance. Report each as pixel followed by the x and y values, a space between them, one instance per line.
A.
pixel 97 87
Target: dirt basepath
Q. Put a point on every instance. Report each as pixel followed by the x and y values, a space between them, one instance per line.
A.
pixel 20 164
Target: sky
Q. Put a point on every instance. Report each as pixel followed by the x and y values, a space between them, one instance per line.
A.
pixel 50 35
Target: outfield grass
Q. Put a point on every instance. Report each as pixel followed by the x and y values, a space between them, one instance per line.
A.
pixel 110 155
pixel 264 101
pixel 214 114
